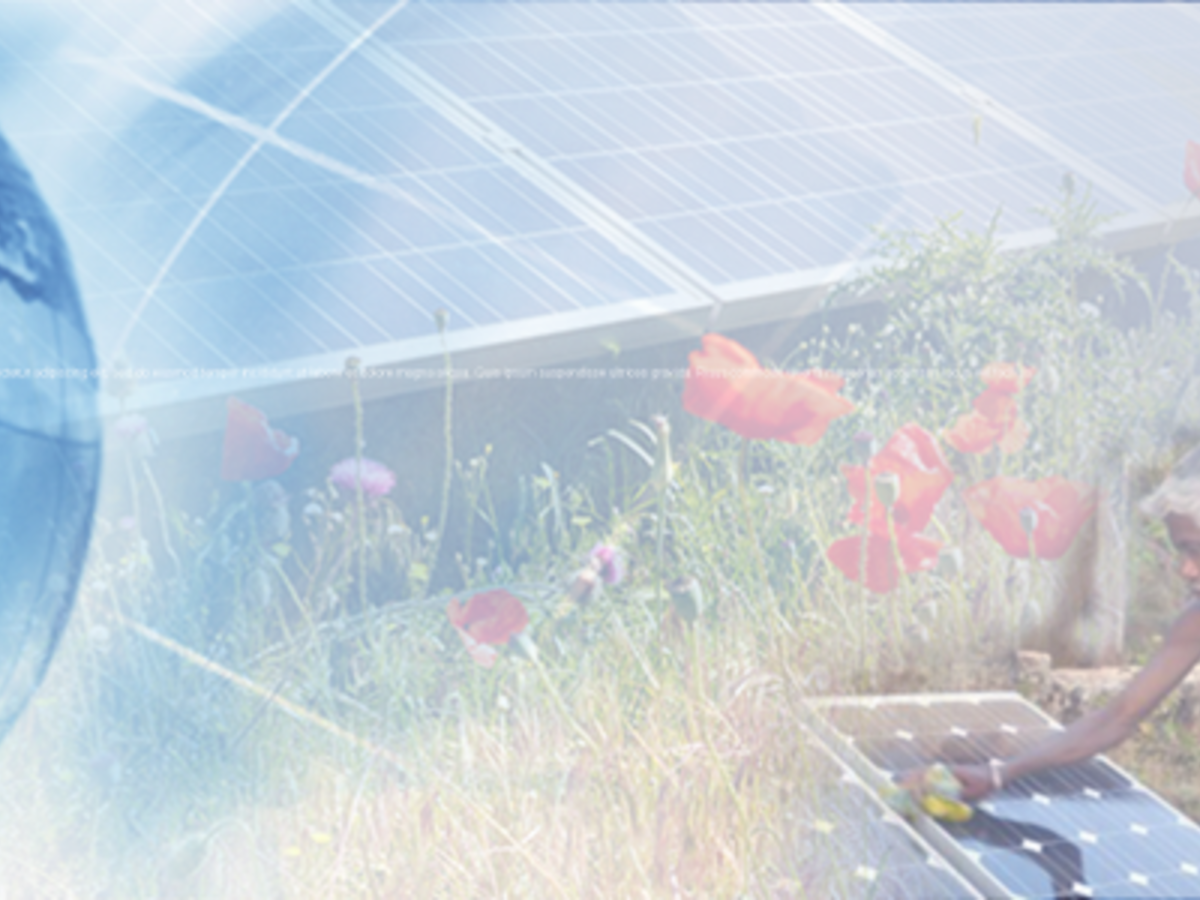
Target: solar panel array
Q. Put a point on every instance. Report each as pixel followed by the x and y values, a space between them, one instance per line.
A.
pixel 1084 830
pixel 328 177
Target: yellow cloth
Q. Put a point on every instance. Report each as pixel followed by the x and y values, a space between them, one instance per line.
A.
pixel 939 797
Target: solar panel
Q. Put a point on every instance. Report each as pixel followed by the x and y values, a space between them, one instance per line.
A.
pixel 205 240
pixel 1086 830
pixel 747 140
pixel 1117 82
pixel 845 843
pixel 257 76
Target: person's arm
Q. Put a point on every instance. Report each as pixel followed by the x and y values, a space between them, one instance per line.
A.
pixel 1106 727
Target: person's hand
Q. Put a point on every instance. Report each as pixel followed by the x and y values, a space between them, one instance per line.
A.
pixel 976 781
pixel 913 781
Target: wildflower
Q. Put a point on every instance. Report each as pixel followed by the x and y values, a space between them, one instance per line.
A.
pixel 1046 514
pixel 994 421
pixel 253 449
pixel 604 563
pixel 725 384
pixel 609 564
pixel 377 479
pixel 489 619
pixel 913 457
pixel 915 553
pixel 1191 168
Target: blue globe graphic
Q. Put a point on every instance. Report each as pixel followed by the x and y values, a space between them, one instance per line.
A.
pixel 49 437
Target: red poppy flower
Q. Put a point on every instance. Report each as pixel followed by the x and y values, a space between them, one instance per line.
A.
pixel 994 421
pixel 914 457
pixel 725 384
pixel 1191 168
pixel 489 617
pixel 253 449
pixel 916 553
pixel 1054 510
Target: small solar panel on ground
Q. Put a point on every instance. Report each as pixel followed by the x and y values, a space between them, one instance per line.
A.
pixel 846 844
pixel 1083 830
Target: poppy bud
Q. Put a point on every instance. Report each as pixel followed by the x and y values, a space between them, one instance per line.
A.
pixel 524 645
pixel 887 488
pixel 686 598
pixel 950 562
pixel 1029 519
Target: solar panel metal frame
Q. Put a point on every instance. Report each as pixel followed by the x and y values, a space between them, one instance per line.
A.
pixel 190 407
pixel 820 745
pixel 843 747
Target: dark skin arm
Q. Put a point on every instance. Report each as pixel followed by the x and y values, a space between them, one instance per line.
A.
pixel 1104 728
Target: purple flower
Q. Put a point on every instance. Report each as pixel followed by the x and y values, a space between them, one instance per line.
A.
pixel 377 479
pixel 608 561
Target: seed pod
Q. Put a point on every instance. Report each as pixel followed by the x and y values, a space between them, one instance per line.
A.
pixel 950 562
pixel 686 598
pixel 887 488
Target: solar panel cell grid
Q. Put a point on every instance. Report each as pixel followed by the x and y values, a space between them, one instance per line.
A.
pixel 1103 79
pixel 844 844
pixel 637 128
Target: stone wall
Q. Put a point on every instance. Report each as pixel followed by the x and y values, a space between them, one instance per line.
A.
pixel 1067 694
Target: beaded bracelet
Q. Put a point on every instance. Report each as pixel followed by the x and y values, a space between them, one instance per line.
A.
pixel 996 766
